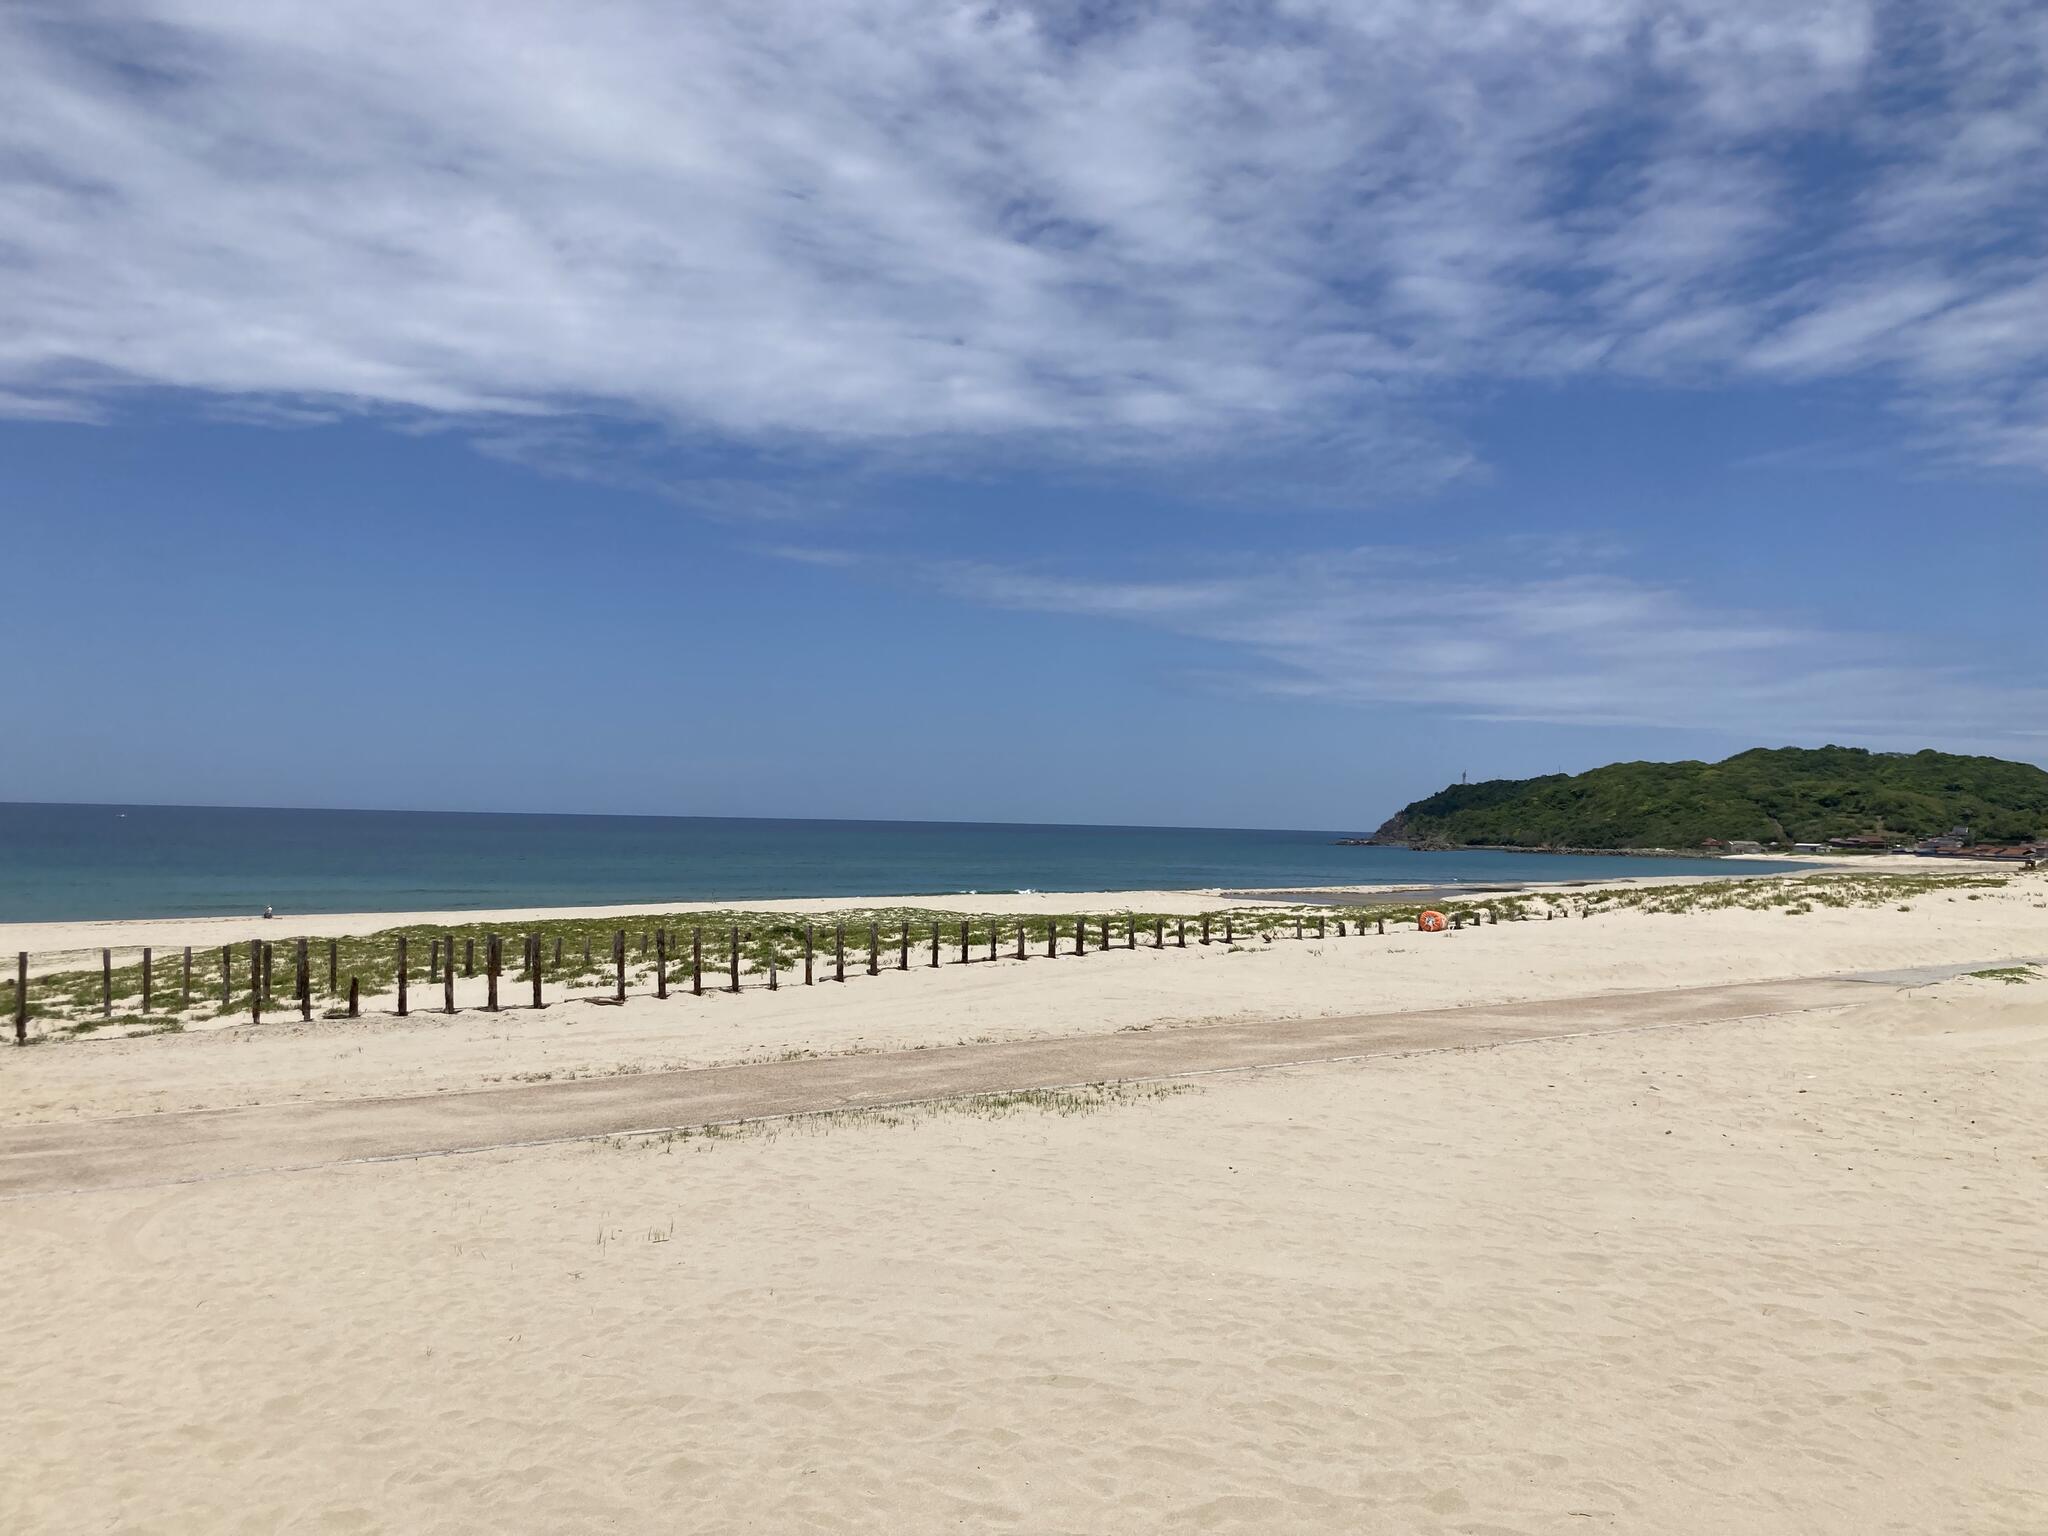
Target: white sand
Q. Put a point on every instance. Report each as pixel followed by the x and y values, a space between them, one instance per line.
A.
pixel 1784 1278
pixel 285 1060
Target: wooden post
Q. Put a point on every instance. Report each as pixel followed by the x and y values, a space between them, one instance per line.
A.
pixel 773 985
pixel 106 983
pixel 1181 933
pixel 1052 938
pixel 1080 935
pixel 227 977
pixel 1229 928
pixel 1340 927
pixel 839 952
pixel 1383 927
pixel 1297 925
pixel 963 941
pixel 734 953
pixel 558 951
pixel 469 957
pixel 535 941
pixel 935 945
pixel 1159 933
pixel 255 981
pixel 1105 935
pixel 269 975
pixel 305 982
pixel 874 949
pixel 661 962
pixel 1130 931
pixel 619 961
pixel 903 949
pixel 586 949
pixel 1319 925
pixel 1205 927
pixel 354 1007
pixel 696 962
pixel 21 998
pixel 448 979
pixel 185 988
pixel 994 924
pixel 403 979
pixel 148 990
pixel 1020 938
pixel 810 954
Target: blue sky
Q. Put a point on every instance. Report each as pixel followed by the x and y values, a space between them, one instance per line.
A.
pixel 1227 414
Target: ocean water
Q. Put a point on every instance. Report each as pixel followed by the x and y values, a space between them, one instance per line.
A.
pixel 67 862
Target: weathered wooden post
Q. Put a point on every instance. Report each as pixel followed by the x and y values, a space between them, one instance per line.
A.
pixel 106 983
pixel 21 998
pixel 1340 927
pixel 773 985
pixel 305 978
pixel 1020 938
pixel 994 927
pixel 1297 925
pixel 1180 937
pixel 1319 925
pixel 1205 927
pixel 227 977
pixel 586 950
pixel 1159 933
pixel 963 941
pixel 903 949
pixel 148 990
pixel 696 962
pixel 935 944
pixel 1052 938
pixel 1229 928
pixel 355 1010
pixel 1081 935
pixel 403 979
pixel 185 985
pixel 269 975
pixel 1457 922
pixel 810 954
pixel 839 952
pixel 619 962
pixel 1383 927
pixel 255 981
pixel 558 951
pixel 1130 931
pixel 734 959
pixel 874 948
pixel 661 962
pixel 535 941
pixel 448 978
pixel 1105 935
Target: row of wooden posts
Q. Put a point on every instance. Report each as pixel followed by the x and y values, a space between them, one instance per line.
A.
pixel 441 961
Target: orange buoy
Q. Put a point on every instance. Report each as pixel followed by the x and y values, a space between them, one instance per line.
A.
pixel 1432 922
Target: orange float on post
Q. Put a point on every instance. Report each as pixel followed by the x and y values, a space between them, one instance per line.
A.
pixel 1432 922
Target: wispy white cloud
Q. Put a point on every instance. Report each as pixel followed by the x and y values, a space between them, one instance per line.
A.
pixel 1282 232
pixel 1518 641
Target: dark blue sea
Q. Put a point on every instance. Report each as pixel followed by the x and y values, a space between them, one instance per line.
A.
pixel 113 861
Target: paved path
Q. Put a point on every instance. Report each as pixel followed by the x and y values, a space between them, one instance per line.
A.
pixel 207 1144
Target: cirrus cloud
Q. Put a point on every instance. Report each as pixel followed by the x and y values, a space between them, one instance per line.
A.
pixel 1285 232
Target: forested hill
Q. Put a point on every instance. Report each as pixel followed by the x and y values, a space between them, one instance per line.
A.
pixel 1784 795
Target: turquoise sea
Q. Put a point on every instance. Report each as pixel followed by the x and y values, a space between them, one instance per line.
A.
pixel 114 861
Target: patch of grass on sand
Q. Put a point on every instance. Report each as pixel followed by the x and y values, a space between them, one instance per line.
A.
pixel 2011 975
pixel 1063 1102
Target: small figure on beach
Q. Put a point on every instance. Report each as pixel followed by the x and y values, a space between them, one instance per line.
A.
pixel 267 913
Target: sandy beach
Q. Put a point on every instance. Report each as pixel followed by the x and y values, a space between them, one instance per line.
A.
pixel 1547 1237
pixel 1783 1276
